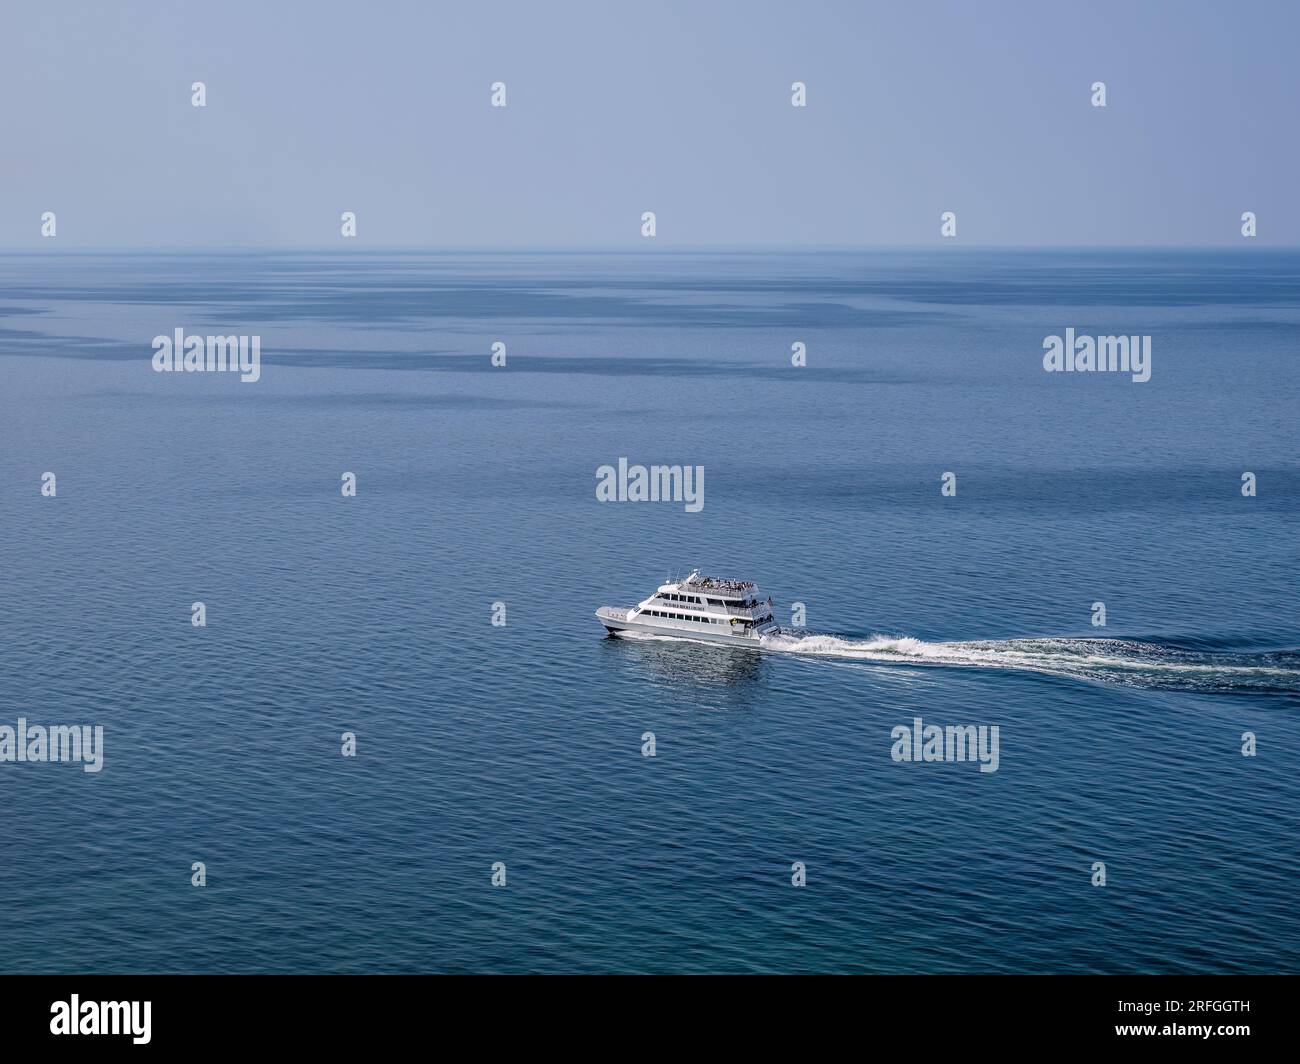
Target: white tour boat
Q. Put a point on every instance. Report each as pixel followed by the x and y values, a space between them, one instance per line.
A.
pixel 699 607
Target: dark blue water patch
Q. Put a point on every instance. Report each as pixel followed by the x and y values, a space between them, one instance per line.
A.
pixel 1166 486
pixel 345 401
pixel 618 366
pixel 24 343
pixel 374 302
pixel 1096 278
pixel 1262 644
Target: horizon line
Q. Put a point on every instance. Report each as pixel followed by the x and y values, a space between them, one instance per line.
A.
pixel 734 249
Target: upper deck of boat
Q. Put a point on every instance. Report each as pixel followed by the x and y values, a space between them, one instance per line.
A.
pixel 718 588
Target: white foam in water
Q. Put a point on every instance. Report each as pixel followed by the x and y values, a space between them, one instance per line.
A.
pixel 1143 664
pixel 1127 662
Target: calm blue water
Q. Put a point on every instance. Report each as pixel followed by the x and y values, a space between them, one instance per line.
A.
pixel 522 744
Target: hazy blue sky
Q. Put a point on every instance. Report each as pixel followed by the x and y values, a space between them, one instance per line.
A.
pixel 616 108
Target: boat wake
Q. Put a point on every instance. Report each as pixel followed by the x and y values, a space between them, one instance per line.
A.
pixel 1130 662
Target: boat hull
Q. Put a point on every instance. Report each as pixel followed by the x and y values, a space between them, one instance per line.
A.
pixel 616 621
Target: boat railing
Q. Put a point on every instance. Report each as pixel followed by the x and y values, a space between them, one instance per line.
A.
pixel 716 584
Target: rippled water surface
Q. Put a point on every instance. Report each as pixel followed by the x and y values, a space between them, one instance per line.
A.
pixel 522 743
